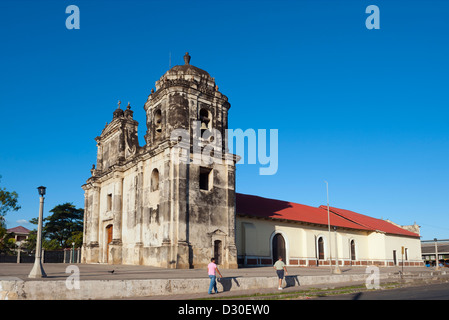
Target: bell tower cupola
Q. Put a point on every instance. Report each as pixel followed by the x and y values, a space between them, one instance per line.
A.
pixel 184 97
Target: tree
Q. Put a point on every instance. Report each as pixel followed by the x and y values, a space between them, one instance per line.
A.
pixel 63 227
pixel 7 242
pixel 8 202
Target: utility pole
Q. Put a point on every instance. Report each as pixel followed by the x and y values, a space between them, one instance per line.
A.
pixel 329 226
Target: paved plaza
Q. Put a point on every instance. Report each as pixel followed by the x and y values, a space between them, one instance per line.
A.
pixel 57 271
pixel 104 281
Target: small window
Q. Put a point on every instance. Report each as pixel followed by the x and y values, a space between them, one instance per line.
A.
pixel 154 180
pixel 109 202
pixel 205 178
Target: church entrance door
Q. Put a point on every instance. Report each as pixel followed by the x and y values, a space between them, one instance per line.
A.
pixel 108 241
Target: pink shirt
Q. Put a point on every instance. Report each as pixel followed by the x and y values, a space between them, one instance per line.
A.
pixel 211 269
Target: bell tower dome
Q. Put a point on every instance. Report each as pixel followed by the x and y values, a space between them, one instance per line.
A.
pixel 184 95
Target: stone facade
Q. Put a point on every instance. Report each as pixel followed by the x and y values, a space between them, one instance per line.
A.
pixel 144 207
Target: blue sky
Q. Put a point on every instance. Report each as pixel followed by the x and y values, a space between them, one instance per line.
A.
pixel 366 110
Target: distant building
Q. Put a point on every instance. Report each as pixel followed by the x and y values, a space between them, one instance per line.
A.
pixel 429 253
pixel 20 234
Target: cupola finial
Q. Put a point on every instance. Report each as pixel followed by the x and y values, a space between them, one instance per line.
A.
pixel 187 58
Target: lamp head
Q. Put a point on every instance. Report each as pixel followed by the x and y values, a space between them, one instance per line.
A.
pixel 41 190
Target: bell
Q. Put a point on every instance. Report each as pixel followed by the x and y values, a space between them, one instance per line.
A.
pixel 205 119
pixel 204 126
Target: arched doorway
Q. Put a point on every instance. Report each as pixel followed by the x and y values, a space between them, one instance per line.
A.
pixel 108 240
pixel 278 248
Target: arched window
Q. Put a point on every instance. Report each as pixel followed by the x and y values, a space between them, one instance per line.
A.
pixel 205 119
pixel 353 250
pixel 158 121
pixel 154 180
pixel 320 248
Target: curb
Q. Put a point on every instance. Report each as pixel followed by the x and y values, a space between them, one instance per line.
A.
pixel 17 289
pixel 13 288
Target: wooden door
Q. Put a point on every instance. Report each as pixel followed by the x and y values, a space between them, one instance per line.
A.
pixel 109 240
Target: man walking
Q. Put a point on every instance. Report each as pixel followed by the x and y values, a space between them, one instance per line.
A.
pixel 280 268
pixel 212 269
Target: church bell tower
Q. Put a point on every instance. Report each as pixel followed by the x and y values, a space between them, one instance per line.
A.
pixel 171 202
pixel 196 198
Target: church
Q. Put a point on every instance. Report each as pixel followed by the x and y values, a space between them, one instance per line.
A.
pixel 144 206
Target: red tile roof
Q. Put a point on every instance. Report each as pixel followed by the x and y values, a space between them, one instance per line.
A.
pixel 254 206
pixel 372 223
pixel 18 229
pixel 249 205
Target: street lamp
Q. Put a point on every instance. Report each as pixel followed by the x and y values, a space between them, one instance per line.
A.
pixel 437 265
pixel 38 270
pixel 329 226
pixel 337 268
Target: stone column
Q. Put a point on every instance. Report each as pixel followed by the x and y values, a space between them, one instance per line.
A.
pixel 165 213
pixel 116 246
pixel 86 221
pixel 181 198
pixel 93 248
pixel 230 241
pixel 138 207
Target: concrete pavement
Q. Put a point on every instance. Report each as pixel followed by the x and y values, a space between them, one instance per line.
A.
pixel 102 281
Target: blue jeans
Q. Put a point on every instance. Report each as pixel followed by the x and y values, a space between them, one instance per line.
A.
pixel 213 284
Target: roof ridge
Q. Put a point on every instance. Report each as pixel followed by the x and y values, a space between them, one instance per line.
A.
pixel 344 217
pixel 369 225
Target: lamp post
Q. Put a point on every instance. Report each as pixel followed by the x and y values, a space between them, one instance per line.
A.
pixel 337 268
pixel 437 265
pixel 329 225
pixel 38 270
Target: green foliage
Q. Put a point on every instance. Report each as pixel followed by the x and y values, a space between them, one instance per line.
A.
pixel 8 202
pixel 7 242
pixel 61 229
